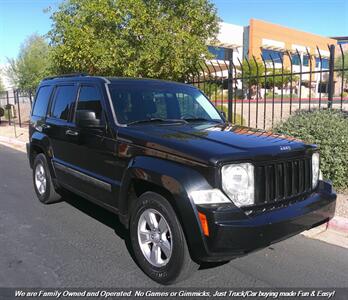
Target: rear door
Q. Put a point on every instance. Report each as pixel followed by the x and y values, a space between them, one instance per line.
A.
pixel 57 124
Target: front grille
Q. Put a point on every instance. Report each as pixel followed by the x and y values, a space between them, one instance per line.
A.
pixel 282 180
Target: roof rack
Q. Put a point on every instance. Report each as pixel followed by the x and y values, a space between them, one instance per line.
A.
pixel 65 76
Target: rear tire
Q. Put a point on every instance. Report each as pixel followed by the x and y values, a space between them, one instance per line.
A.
pixel 158 240
pixel 43 185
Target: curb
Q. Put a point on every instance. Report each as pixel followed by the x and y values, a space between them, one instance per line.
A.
pixel 338 224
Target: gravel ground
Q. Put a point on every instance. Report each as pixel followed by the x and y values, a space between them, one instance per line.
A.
pixel 342 205
pixel 20 133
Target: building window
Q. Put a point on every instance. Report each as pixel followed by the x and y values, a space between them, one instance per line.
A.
pixel 324 63
pixel 296 61
pixel 218 52
pixel 268 55
pixel 323 87
pixel 305 60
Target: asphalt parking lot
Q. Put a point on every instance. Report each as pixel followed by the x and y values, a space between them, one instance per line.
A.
pixel 76 244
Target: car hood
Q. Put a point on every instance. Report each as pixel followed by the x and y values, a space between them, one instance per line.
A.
pixel 213 143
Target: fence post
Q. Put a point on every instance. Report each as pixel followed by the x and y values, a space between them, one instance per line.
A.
pixel 31 98
pixel 19 109
pixel 7 107
pixel 230 86
pixel 331 83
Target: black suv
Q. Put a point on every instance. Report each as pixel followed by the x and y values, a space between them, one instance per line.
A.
pixel 190 187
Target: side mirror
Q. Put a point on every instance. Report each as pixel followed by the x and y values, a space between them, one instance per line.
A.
pixel 87 118
pixel 222 113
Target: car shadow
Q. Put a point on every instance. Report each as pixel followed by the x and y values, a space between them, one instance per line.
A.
pixel 112 221
pixel 96 212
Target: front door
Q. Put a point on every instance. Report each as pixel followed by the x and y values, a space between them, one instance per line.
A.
pixel 93 149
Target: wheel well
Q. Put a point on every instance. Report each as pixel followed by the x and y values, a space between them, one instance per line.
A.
pixel 34 151
pixel 138 187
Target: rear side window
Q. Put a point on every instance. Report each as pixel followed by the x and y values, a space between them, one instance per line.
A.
pixel 64 99
pixel 41 102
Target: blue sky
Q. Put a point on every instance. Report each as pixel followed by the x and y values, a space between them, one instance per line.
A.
pixel 20 18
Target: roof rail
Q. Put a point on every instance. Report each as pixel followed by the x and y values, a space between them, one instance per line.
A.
pixel 65 76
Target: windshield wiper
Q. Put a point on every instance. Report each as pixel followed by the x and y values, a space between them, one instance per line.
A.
pixel 151 120
pixel 200 120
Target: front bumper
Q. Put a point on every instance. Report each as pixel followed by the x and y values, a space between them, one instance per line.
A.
pixel 232 233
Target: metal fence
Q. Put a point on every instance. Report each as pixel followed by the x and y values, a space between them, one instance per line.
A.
pixel 260 92
pixel 255 92
pixel 15 106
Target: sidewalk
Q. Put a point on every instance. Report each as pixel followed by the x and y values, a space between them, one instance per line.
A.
pixel 19 137
pixel 15 137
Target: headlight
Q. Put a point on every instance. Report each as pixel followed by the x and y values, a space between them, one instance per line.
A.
pixel 315 169
pixel 238 183
pixel 214 196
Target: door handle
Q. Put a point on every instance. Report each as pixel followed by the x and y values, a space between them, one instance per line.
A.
pixel 71 132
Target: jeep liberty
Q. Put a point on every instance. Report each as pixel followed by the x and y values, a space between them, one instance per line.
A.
pixel 187 185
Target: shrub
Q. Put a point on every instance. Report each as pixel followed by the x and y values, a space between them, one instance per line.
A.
pixel 329 130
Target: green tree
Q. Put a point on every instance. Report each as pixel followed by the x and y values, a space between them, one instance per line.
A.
pixel 31 65
pixel 254 69
pixel 252 72
pixel 144 38
pixel 280 81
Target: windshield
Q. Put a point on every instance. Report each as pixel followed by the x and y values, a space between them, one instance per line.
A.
pixel 141 102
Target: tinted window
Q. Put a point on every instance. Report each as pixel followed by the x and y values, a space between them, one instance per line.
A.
pixel 218 52
pixel 325 63
pixel 268 55
pixel 295 59
pixel 89 99
pixel 41 102
pixel 64 99
pixel 305 60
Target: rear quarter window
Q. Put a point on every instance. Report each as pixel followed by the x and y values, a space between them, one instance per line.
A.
pixel 41 102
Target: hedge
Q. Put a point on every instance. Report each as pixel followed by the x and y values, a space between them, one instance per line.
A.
pixel 329 130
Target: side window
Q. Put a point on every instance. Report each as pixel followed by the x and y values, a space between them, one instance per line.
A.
pixel 90 99
pixel 64 99
pixel 41 102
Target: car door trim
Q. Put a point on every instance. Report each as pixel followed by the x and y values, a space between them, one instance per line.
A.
pixel 82 176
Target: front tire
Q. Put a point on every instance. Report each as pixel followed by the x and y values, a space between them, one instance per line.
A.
pixel 42 180
pixel 158 241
